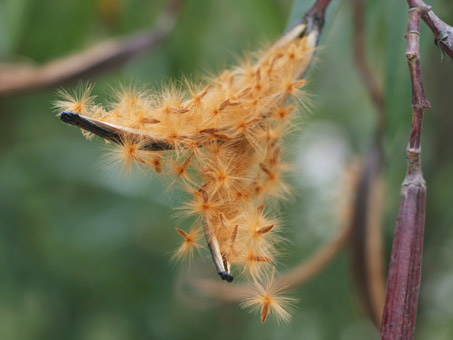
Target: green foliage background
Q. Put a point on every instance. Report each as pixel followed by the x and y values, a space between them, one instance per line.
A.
pixel 84 253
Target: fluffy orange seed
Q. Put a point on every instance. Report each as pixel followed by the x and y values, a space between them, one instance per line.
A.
pixel 78 101
pixel 268 299
pixel 190 243
pixel 128 154
pixel 256 263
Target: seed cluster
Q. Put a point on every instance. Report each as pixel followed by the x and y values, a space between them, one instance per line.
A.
pixel 222 141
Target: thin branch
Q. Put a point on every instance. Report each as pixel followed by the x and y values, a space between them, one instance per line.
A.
pixel 318 10
pixel 317 262
pixel 374 90
pixel 443 33
pixel 403 282
pixel 19 78
pixel 374 248
pixel 366 241
pixel 315 16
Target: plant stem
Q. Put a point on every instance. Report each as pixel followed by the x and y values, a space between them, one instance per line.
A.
pixel 371 84
pixel 443 33
pixel 403 281
pixel 106 55
pixel 366 240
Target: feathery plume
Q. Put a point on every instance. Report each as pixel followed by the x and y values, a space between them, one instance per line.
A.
pixel 268 299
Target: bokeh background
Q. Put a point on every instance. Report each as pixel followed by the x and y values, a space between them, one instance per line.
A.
pixel 85 253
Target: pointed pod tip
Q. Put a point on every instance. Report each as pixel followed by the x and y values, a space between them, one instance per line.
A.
pixel 226 276
pixel 67 117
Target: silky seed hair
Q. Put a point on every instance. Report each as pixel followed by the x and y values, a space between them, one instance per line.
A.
pixel 267 299
pixel 222 141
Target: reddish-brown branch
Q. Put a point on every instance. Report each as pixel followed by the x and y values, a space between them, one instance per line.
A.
pixel 366 244
pixel 403 281
pixel 19 78
pixel 366 240
pixel 315 16
pixel 368 78
pixel 311 267
pixel 443 33
pixel 319 8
